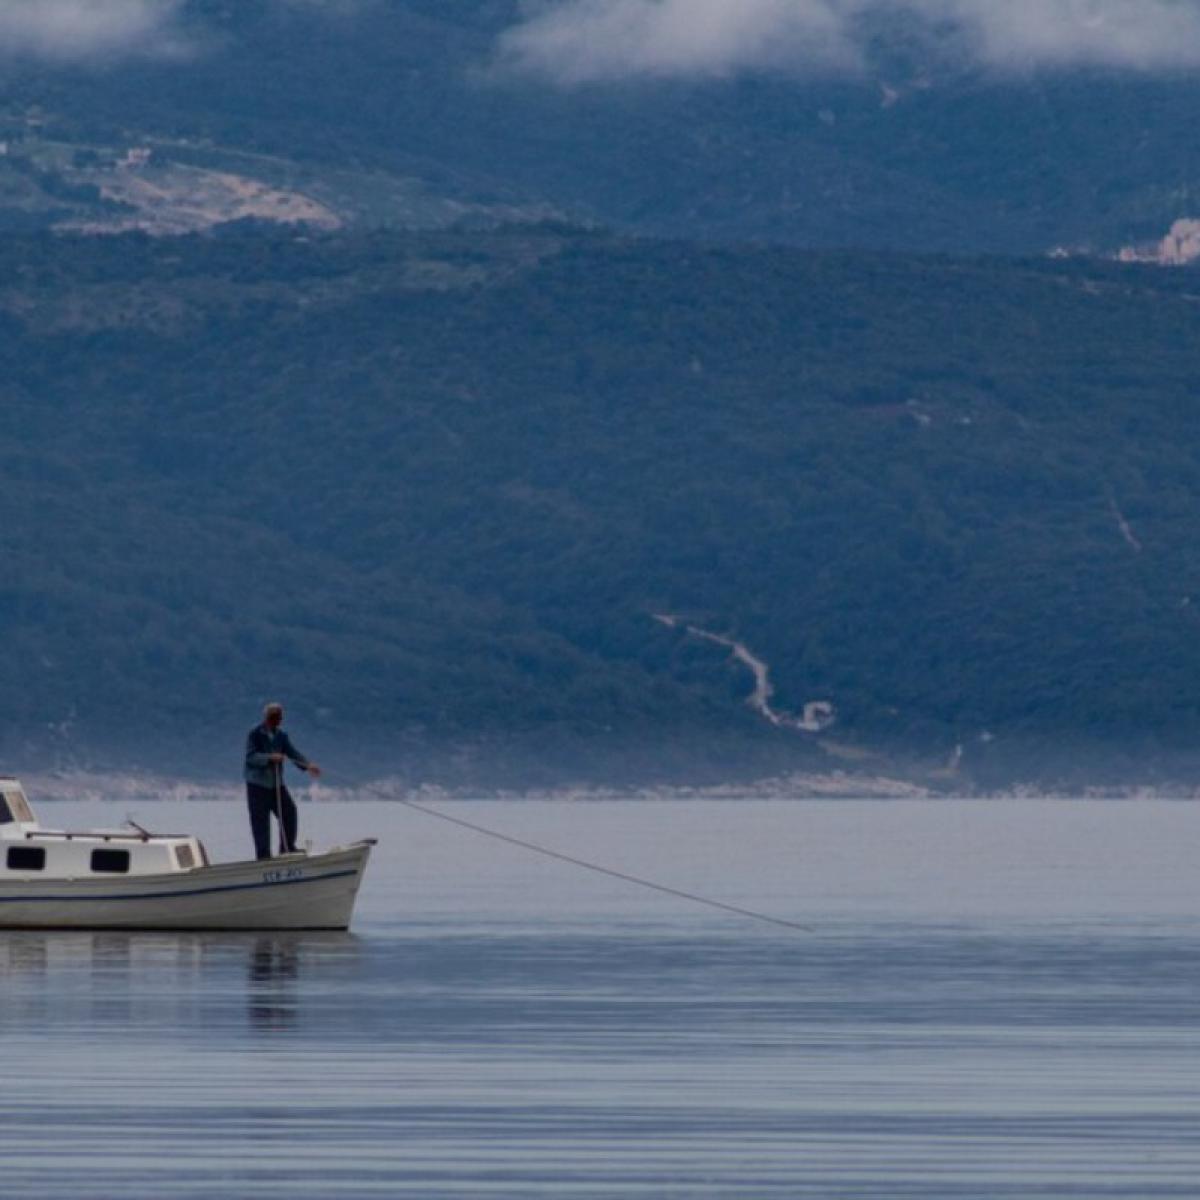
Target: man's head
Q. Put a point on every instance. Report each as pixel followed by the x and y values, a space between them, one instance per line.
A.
pixel 273 715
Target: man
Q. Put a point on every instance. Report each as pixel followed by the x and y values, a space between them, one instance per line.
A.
pixel 267 745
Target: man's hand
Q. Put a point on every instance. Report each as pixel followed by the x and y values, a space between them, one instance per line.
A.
pixel 276 758
pixel 313 770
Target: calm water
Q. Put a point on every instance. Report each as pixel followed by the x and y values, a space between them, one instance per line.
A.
pixel 996 1000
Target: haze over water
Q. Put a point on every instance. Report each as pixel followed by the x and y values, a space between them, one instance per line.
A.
pixel 997 1000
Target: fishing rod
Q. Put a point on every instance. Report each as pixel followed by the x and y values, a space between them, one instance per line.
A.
pixel 283 839
pixel 783 922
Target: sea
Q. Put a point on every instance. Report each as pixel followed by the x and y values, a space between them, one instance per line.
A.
pixel 974 1000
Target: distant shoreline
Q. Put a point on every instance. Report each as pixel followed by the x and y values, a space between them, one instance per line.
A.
pixel 130 787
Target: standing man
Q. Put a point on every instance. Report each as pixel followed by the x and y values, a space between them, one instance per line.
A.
pixel 267 745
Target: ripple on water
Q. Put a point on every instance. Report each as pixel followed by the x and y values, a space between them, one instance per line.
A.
pixel 536 1041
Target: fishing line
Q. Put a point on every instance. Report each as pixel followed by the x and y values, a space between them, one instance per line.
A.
pixel 589 866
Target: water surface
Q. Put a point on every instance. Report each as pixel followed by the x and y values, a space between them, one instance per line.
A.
pixel 996 1000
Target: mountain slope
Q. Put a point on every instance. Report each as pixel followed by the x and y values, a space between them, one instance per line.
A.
pixel 435 489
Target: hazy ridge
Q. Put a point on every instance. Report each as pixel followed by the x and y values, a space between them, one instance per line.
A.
pixel 436 489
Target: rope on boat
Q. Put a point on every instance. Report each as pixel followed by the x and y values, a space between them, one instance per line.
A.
pixel 589 866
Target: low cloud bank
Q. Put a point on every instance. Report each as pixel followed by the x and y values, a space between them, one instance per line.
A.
pixel 584 41
pixel 69 31
pixel 587 40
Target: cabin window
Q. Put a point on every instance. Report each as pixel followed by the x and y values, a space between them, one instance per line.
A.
pixel 5 812
pixel 19 806
pixel 115 862
pixel 27 858
pixel 185 858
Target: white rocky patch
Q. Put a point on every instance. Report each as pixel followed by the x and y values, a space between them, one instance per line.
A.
pixel 177 199
pixel 1180 247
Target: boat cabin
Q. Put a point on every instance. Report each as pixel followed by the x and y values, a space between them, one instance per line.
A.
pixel 27 851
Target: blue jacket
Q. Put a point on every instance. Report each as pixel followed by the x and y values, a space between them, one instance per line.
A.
pixel 261 743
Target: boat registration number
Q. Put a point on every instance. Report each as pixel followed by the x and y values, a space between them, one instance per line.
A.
pixel 285 875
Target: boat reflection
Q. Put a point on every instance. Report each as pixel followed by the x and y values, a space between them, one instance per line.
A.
pixel 153 978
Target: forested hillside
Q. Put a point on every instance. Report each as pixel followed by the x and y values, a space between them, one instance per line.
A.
pixel 434 489
pixel 407 112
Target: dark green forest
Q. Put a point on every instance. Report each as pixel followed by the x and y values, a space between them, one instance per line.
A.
pixel 433 489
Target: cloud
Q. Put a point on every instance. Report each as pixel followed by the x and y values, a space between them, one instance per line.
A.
pixel 581 41
pixel 1146 35
pixel 584 40
pixel 80 30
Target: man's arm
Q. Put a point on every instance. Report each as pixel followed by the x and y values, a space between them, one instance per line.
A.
pixel 285 744
pixel 298 758
pixel 255 755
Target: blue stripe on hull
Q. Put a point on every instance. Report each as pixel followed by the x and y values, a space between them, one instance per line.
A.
pixel 229 887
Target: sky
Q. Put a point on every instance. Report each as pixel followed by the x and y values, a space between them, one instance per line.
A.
pixel 574 42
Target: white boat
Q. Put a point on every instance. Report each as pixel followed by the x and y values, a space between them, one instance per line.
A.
pixel 134 879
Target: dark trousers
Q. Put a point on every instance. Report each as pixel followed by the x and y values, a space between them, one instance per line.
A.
pixel 263 802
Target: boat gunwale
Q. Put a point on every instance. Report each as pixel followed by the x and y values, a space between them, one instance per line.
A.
pixel 93 887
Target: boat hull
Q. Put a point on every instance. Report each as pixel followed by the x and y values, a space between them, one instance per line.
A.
pixel 294 892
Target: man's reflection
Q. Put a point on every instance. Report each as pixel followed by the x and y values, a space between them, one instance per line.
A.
pixel 274 968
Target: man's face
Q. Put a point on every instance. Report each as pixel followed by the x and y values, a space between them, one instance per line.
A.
pixel 275 718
